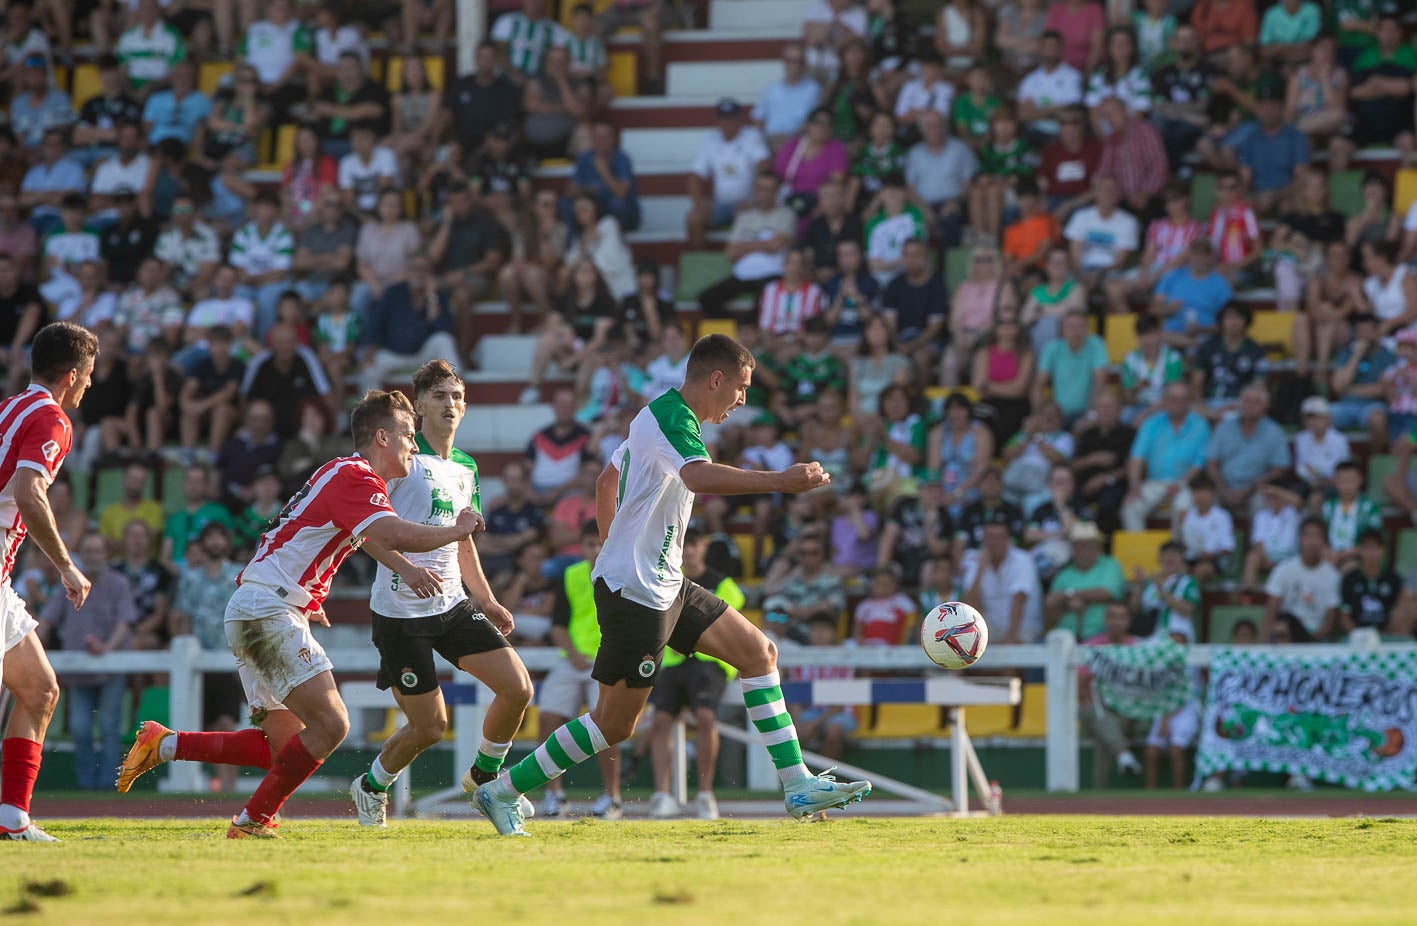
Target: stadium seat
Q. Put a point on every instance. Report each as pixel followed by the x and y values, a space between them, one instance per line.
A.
pixel 86 85
pixel 1404 561
pixel 61 78
pixel 1138 548
pixel 1345 191
pixel 209 78
pixel 1202 196
pixel 697 270
pixel 1380 465
pixel 1220 621
pixel 708 326
pixel 744 542
pixel 173 498
pixel 1120 333
pixel 1404 190
pixel 432 64
pixel 1274 332
pixel 938 394
pixel 153 704
pixel 624 73
pixel 283 150
pixel 956 267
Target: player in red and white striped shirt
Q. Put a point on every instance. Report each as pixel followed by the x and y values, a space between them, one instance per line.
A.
pixel 34 439
pixel 287 677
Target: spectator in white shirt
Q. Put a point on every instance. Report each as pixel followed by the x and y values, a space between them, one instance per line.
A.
pixel 1002 582
pixel 1208 532
pixel 787 102
pixel 666 371
pixel 1303 591
pixel 1319 447
pixel 366 171
pixel 1274 533
pixel 128 169
pixel 721 176
pixel 1102 238
pixel 929 92
pixel 757 246
pixel 1048 89
pixel 827 25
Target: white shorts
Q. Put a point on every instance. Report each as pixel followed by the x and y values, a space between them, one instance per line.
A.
pixel 566 689
pixel 1181 732
pixel 274 648
pixel 15 620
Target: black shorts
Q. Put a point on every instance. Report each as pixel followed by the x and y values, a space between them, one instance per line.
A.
pixel 633 637
pixel 693 684
pixel 406 645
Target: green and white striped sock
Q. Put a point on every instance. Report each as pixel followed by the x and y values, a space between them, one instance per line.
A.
pixel 491 756
pixel 768 711
pixel 571 744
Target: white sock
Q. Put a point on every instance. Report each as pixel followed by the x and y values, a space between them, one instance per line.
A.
pixel 13 818
pixel 167 748
pixel 382 775
pixel 495 750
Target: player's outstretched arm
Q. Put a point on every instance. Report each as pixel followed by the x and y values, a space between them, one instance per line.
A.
pixel 408 537
pixel 425 583
pixel 702 477
pixel 32 498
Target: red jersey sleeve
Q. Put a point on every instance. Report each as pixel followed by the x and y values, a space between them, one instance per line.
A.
pixel 359 499
pixel 43 441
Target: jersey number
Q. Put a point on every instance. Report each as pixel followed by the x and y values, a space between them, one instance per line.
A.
pixel 295 500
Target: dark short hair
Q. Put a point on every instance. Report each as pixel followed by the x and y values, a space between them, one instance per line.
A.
pixel 210 528
pixel 1370 535
pixel 1316 523
pixel 375 412
pixel 1173 546
pixel 717 353
pixel 60 347
pixel 1202 481
pixel 1146 324
pixel 1348 465
pixel 432 373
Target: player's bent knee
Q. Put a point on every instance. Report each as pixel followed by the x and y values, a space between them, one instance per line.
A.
pixel 430 732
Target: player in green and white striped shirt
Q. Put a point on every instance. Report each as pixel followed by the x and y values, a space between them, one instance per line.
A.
pixel 525 37
pixel 644 602
pixel 151 47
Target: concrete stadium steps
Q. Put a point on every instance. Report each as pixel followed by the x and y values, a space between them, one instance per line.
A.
pixel 743 80
pixel 698 45
pixel 652 112
pixel 661 150
pixel 504 428
pixel 728 16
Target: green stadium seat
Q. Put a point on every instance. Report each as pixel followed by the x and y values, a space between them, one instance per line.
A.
pixel 153 704
pixel 1380 465
pixel 1202 196
pixel 173 498
pixel 956 267
pixel 1221 620
pixel 698 270
pixel 1345 191
pixel 1404 562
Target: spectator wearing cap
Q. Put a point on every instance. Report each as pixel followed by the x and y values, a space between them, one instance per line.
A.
pixel 724 172
pixel 129 240
pixel 1049 90
pixel 37 106
pixel 787 102
pixel 263 503
pixel 604 171
pixel 263 251
pixel 149 47
pixel 188 247
pixel 1133 153
pixel 1081 591
pixel 477 101
pixel 177 110
pixel 1358 370
pixel 1318 447
pixel 353 98
pixel 1168 451
pixel 1227 362
pixel 938 169
pixel 129 169
pixel 1001 580
pixel 1267 151
pixel 1381 98
pixel 49 179
pixel 1247 451
pixel 758 244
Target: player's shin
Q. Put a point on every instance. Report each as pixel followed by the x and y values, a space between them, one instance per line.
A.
pixel 768 710
pixel 293 765
pixel 569 745
pixel 248 748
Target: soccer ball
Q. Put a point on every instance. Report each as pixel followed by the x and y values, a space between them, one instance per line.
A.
pixel 954 635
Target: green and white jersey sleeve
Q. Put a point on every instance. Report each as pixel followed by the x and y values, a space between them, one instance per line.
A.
pixel 432 493
pixel 642 558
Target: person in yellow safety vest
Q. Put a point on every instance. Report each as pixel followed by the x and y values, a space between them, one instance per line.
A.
pixel 696 683
pixel 568 686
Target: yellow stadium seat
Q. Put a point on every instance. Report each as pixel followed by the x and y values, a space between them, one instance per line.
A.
pixel 940 393
pixel 531 727
pixel 61 78
pixel 708 326
pixel 600 6
pixel 1138 548
pixel 1273 331
pixel 210 76
pixel 624 73
pixel 1404 191
pixel 284 151
pixel 1120 333
pixel 744 543
pixel 86 84
pixel 432 64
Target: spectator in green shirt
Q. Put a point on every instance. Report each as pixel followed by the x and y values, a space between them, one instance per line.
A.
pixel 1075 366
pixel 1081 592
pixel 185 525
pixel 1286 31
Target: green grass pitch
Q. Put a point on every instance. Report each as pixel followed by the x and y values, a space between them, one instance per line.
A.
pixel 1057 871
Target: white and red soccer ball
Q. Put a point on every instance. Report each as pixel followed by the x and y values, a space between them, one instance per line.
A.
pixel 954 635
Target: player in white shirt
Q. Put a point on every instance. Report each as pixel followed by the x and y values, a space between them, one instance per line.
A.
pixel 408 627
pixel 644 602
pixel 288 680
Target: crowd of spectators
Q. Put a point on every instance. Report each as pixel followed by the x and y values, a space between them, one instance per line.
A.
pixel 932 227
